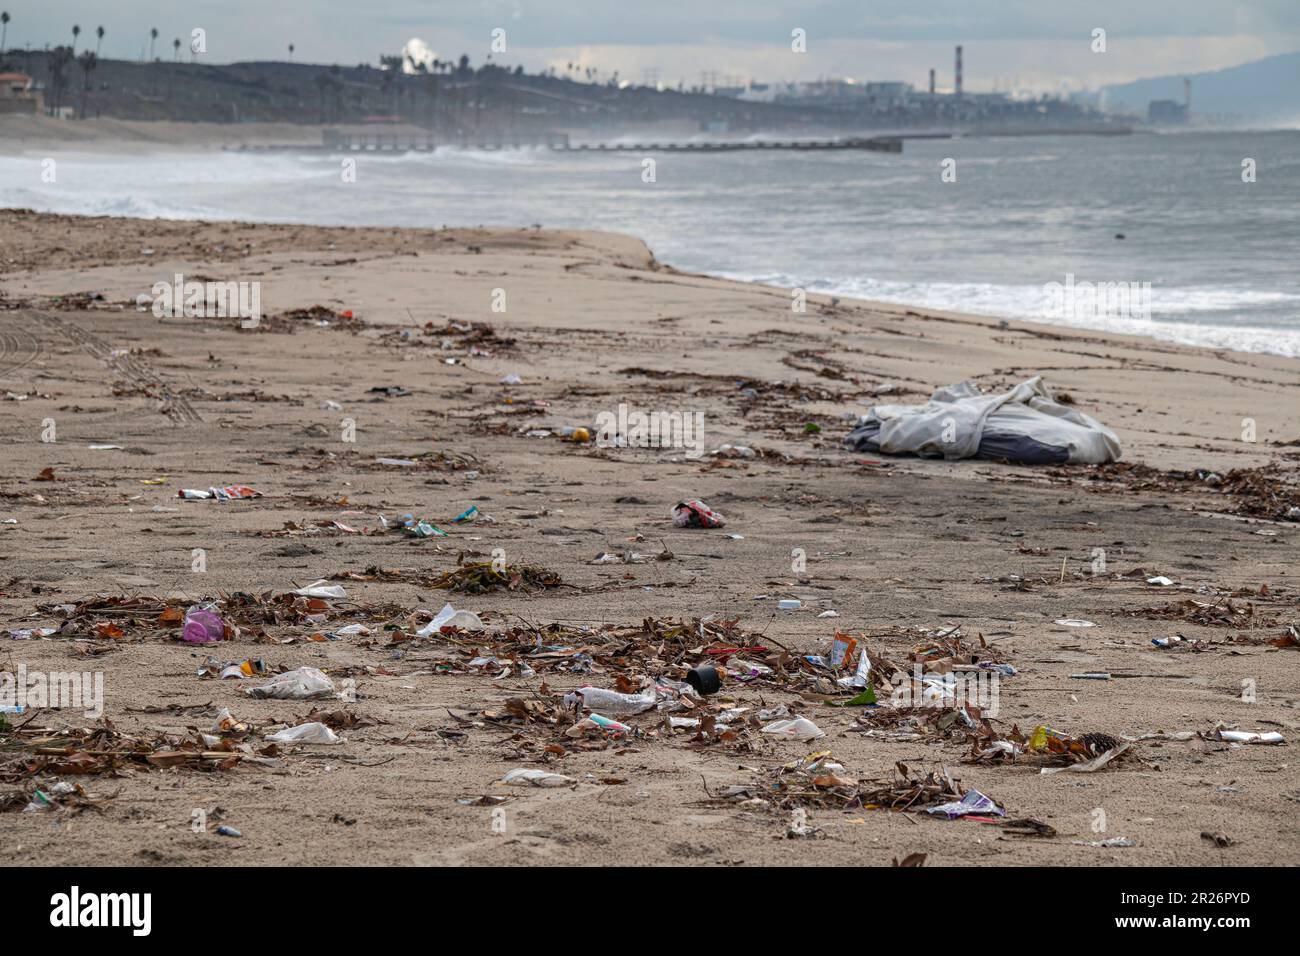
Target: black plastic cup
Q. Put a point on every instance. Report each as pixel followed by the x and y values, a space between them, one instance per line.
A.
pixel 704 678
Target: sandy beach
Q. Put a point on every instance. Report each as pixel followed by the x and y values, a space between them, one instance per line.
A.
pixel 904 551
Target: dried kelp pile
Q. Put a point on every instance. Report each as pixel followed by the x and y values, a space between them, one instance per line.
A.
pixel 1269 491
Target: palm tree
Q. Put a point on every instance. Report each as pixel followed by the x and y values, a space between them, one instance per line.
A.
pixel 153 35
pixel 88 61
pixel 4 30
pixel 290 52
pixel 76 32
pixel 99 39
pixel 176 48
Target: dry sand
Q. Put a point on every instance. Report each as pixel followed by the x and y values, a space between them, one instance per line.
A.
pixel 903 544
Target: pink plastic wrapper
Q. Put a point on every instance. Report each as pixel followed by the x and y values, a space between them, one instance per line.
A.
pixel 696 514
pixel 203 627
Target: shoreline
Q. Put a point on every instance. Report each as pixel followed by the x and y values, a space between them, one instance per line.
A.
pixel 879 305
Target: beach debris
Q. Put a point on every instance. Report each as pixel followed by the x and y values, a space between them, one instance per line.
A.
pixel 479 577
pixel 1221 840
pixel 238 670
pixel 228 493
pixel 511 379
pixel 305 683
pixel 412 526
pixel 309 733
pixel 704 678
pixel 203 625
pixel 323 590
pixel 613 702
pixel 799 728
pixel 1024 425
pixel 972 802
pixel 1270 738
pixel 1089 766
pixel 389 391
pixel 227 831
pixel 1074 622
pixel 450 617
pixel 1108 842
pixel 789 604
pixel 696 514
pixel 530 777
pixel 1221 613
pixel 598 724
pixel 1091 675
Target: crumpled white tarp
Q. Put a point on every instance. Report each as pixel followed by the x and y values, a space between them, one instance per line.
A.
pixel 957 418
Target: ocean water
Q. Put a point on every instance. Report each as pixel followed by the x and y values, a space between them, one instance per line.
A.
pixel 1212 260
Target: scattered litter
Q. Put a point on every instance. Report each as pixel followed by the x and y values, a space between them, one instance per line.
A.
pixel 528 777
pixel 450 617
pixel 1111 842
pixel 229 493
pixel 800 728
pixel 312 733
pixel 203 625
pixel 323 590
pixel 971 802
pixel 1075 622
pixel 1247 737
pixel 305 683
pixel 226 831
pixel 1091 766
pixel 612 702
pixel 829 614
pixel 789 604
pixel 696 514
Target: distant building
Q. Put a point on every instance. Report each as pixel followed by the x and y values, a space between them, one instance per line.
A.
pixel 18 96
pixel 1166 112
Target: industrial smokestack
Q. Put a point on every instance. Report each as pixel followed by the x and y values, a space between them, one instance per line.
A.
pixel 957 84
pixel 932 81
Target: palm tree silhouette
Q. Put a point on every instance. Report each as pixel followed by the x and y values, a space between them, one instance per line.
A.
pixel 99 39
pixel 176 47
pixel 290 52
pixel 4 30
pixel 153 35
pixel 76 32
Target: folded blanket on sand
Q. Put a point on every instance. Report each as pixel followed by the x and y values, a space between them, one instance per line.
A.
pixel 1024 425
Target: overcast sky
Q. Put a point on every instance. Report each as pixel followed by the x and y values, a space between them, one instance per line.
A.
pixel 1031 44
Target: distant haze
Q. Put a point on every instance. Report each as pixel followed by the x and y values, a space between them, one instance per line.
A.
pixel 1020 44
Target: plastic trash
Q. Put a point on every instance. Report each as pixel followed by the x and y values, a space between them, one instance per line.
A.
pixel 323 589
pixel 696 514
pixel 312 733
pixel 972 802
pixel 1075 622
pixel 203 626
pixel 595 722
pixel 800 728
pixel 450 617
pixel 226 831
pixel 305 683
pixel 528 777
pixel 229 493
pixel 789 604
pixel 1248 737
pixel 612 702
pixel 704 678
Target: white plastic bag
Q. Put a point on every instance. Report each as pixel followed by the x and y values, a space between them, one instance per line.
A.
pixel 303 684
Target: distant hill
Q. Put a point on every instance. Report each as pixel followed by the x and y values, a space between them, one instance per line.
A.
pixel 1264 89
